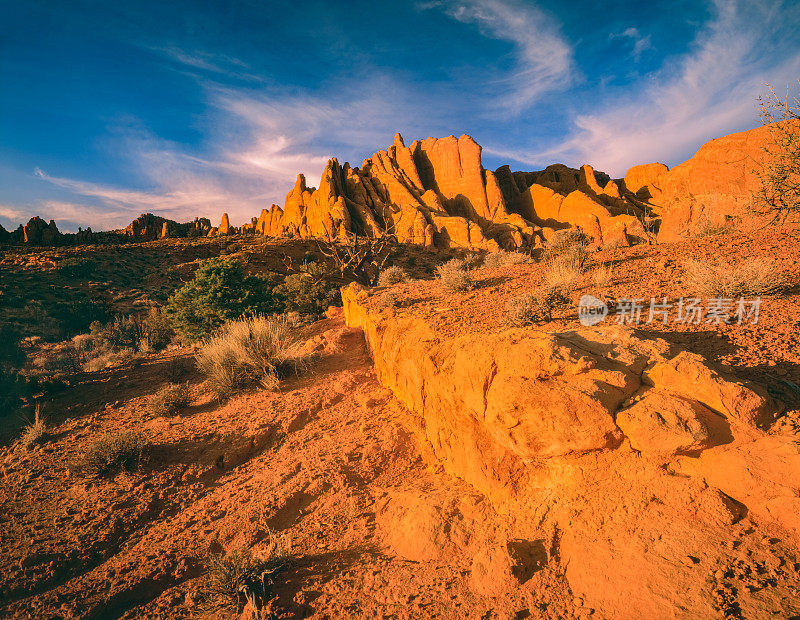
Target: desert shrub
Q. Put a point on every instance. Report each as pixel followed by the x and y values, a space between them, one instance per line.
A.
pixel 388 299
pixel 708 228
pixel 603 276
pixel 503 259
pixel 35 432
pixel 112 453
pixel 778 170
pixel 238 577
pixel 220 291
pixel 454 277
pixel 563 273
pixel 536 307
pixel 308 292
pixel 157 331
pixel 570 245
pixel 248 352
pixel 392 275
pixel 749 278
pixel 454 264
pixel 169 400
pixel 456 280
pixel 152 332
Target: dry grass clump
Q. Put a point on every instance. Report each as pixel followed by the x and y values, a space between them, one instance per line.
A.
pixel 453 277
pixel 603 276
pixel 563 274
pixel 748 278
pixel 533 308
pixel 113 452
pixel 569 247
pixel 239 577
pixel 169 400
pixel 388 299
pixel 35 432
pixel 502 258
pixel 247 352
pixel 391 276
pixel 456 281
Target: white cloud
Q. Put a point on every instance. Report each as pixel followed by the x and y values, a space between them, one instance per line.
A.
pixel 544 58
pixel 640 43
pixel 256 146
pixel 707 93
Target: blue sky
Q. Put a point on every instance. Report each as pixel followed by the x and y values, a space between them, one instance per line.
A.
pixel 190 108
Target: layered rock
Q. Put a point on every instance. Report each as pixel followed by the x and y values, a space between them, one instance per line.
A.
pixel 437 192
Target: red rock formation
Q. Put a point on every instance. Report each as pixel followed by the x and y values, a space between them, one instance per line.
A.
pixel 437 192
pixel 714 187
pixel 39 232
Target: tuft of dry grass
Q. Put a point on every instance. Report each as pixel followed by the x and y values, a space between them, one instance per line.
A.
pixel 535 307
pixel 603 276
pixel 563 273
pixel 239 577
pixel 35 432
pixel 454 278
pixel 169 400
pixel 391 276
pixel 746 279
pixel 456 281
pixel 247 352
pixel 113 452
pixel 502 258
pixel 388 299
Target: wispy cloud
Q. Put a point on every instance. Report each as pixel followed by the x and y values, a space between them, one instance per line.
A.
pixel 706 93
pixel 256 145
pixel 543 57
pixel 640 43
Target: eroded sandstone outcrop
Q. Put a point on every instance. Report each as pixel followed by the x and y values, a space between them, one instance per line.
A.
pixel 437 192
pixel 627 458
pixel 712 189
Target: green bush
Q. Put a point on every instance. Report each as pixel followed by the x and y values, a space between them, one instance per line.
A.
pixel 219 292
pixel 309 292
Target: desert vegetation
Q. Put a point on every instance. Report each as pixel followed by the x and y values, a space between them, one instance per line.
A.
pixel 391 276
pixel 220 291
pixel 536 307
pixel 778 196
pixel 247 352
pixel 169 400
pixel 238 577
pixel 454 277
pixel 748 278
pixel 113 452
pixel 503 258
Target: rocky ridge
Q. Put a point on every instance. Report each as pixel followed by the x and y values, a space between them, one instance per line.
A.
pixel 436 192
pixel 630 461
